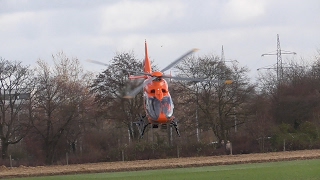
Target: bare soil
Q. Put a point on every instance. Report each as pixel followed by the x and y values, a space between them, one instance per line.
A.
pixel 22 171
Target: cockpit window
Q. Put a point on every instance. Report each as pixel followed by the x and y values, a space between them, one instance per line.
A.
pixel 155 107
pixel 167 106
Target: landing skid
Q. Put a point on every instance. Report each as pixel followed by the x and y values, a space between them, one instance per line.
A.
pixel 142 125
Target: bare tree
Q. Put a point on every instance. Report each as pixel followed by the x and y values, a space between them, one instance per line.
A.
pixel 60 102
pixel 15 88
pixel 260 126
pixel 221 105
pixel 112 84
pixel 292 102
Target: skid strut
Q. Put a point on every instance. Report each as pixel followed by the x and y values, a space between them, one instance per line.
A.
pixel 175 125
pixel 142 125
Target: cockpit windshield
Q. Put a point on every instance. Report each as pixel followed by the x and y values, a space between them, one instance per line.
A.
pixel 155 107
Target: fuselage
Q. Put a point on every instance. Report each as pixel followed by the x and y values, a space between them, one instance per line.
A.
pixel 157 101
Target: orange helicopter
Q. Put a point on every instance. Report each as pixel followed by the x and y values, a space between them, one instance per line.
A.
pixel 158 103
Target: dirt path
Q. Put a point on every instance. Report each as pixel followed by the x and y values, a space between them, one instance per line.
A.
pixel 156 164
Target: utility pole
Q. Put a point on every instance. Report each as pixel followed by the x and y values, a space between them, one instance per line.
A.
pixel 197 120
pixel 279 53
pixel 197 103
pixel 195 74
pixel 223 60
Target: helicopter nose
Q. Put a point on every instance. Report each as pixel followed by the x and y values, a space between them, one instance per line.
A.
pixel 159 94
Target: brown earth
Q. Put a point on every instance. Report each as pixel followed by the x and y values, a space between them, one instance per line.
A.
pixel 22 171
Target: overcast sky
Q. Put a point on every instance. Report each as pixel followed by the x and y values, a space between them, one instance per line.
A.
pixel 97 29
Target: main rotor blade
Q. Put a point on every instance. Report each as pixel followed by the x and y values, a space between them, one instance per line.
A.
pixel 138 72
pixel 184 78
pixel 97 62
pixel 198 79
pixel 219 81
pixel 178 60
pixel 135 91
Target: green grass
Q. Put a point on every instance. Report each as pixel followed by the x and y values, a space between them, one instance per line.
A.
pixel 291 170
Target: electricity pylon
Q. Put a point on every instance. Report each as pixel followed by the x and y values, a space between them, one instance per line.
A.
pixel 279 53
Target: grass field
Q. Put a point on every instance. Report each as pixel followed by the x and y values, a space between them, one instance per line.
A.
pixel 286 170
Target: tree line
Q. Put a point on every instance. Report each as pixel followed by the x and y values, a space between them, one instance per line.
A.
pixel 53 112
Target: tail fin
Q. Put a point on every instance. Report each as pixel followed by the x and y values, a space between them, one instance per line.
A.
pixel 147 63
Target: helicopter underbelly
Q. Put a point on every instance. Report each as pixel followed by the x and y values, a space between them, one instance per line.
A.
pixel 162 119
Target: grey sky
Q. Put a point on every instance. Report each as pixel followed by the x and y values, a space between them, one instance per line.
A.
pixel 97 29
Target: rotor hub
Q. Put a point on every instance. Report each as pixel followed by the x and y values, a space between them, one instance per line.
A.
pixel 157 74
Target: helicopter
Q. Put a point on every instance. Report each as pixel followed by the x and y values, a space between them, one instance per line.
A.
pixel 157 101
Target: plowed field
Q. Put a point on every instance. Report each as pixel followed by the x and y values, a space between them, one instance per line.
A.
pixel 23 171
